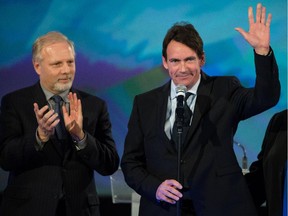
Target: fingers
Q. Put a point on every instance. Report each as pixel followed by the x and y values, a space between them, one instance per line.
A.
pixel 47 119
pixel 40 112
pixel 75 107
pixel 250 16
pixel 79 106
pixel 260 15
pixel 268 21
pixel 65 112
pixel 263 15
pixel 44 116
pixel 168 191
pixel 258 12
pixel 74 119
pixel 73 101
pixel 50 120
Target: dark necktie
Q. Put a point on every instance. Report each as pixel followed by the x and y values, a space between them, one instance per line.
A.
pixel 187 111
pixel 60 128
pixel 186 120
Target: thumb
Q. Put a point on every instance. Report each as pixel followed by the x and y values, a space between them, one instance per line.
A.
pixel 242 32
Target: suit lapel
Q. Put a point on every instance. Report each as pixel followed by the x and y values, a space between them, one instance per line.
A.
pixel 39 96
pixel 202 105
pixel 162 96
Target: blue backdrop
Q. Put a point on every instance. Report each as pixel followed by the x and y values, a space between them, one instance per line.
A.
pixel 118 45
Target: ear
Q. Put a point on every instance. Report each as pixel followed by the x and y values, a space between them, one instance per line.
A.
pixel 202 60
pixel 164 62
pixel 36 66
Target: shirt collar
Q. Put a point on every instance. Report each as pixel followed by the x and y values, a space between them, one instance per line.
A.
pixel 193 90
pixel 49 94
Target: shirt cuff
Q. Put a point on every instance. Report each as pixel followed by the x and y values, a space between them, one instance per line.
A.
pixel 38 145
pixel 81 144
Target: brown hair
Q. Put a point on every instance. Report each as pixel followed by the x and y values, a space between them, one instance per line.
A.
pixel 184 33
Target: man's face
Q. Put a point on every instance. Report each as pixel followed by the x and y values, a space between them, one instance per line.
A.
pixel 56 69
pixel 183 64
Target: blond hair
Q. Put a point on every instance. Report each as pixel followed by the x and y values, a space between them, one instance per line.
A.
pixel 48 39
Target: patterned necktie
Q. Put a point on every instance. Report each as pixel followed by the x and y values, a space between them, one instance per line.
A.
pixel 186 120
pixel 60 128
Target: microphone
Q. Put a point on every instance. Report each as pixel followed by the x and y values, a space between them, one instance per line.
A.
pixel 245 169
pixel 180 94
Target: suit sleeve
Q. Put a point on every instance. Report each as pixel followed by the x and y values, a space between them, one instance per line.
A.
pixel 133 161
pixel 100 153
pixel 266 92
pixel 17 142
pixel 255 178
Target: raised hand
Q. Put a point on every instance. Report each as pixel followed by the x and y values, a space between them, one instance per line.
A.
pixel 47 121
pixel 259 31
pixel 74 119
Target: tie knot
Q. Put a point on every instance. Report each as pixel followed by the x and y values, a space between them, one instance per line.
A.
pixel 187 95
pixel 57 99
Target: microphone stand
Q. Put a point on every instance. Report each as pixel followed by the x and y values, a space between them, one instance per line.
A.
pixel 179 121
pixel 179 124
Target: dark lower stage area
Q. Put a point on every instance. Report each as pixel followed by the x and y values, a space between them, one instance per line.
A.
pixel 107 208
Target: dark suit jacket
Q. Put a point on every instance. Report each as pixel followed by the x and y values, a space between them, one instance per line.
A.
pixel 38 178
pixel 266 176
pixel 209 165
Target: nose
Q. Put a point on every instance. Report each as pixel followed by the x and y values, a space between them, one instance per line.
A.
pixel 182 66
pixel 65 68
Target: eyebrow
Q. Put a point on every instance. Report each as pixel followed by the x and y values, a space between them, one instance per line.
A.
pixel 186 59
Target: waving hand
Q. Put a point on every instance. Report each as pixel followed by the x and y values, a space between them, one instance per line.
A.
pixel 259 30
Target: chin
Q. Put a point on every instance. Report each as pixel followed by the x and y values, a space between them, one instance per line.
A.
pixel 60 87
pixel 184 82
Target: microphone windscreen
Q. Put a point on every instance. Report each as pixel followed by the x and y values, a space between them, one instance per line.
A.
pixel 181 90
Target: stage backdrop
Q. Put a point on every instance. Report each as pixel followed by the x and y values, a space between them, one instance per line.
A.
pixel 118 46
